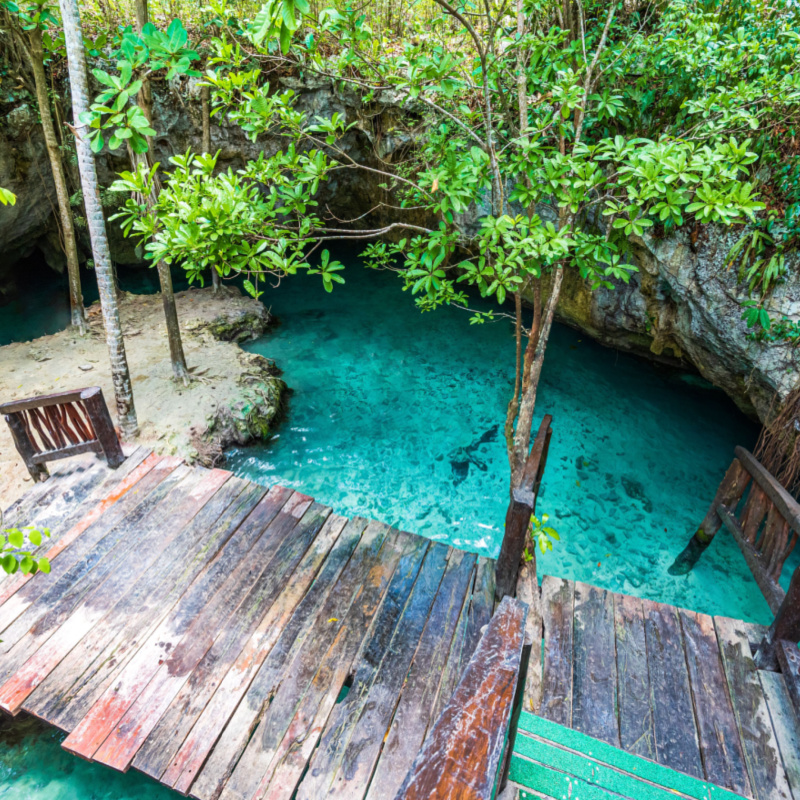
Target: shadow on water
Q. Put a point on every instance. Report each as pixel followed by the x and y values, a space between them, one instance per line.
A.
pixel 39 305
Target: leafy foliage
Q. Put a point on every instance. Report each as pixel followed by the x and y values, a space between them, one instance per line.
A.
pixel 17 548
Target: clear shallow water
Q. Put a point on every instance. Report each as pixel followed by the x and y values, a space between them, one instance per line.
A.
pixel 33 766
pixel 394 416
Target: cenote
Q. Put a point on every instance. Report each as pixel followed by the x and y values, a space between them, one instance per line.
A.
pixel 394 415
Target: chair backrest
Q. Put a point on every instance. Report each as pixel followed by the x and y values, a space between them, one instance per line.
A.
pixel 60 425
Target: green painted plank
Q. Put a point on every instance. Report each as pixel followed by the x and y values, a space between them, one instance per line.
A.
pixel 553 783
pixel 590 770
pixel 619 759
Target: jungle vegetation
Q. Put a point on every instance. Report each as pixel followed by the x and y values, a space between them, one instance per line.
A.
pixel 573 126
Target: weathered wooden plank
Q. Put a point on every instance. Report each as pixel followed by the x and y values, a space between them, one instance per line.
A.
pixel 178 720
pixel 633 678
pixel 18 594
pixel 69 524
pixel 40 619
pixel 297 606
pixel 90 732
pixel 677 743
pixel 86 670
pixel 723 756
pixel 594 664
pixel 36 499
pixel 764 767
pixel 785 723
pixel 301 648
pixel 253 772
pixel 64 519
pixel 481 606
pixel 250 591
pixel 369 719
pixel 787 505
pixel 772 591
pixel 153 539
pixel 789 660
pixel 236 534
pixel 451 674
pixel 558 598
pixel 294 752
pixel 462 755
pixel 414 714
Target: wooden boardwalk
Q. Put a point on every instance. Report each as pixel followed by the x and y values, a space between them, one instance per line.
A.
pixel 232 641
pixel 676 687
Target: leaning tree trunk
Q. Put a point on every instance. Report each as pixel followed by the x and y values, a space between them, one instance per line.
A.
pixel 36 56
pixel 176 354
pixel 79 86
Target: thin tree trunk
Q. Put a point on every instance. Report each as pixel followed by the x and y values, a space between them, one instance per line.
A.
pixel 177 356
pixel 36 57
pixel 205 96
pixel 528 403
pixel 79 87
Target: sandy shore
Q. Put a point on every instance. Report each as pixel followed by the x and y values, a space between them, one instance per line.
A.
pixel 233 399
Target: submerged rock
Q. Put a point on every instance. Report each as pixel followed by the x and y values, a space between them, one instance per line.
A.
pixel 635 490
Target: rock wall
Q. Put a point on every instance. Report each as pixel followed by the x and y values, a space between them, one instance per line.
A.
pixel 683 306
pixel 30 225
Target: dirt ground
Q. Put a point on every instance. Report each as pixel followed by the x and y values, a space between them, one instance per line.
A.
pixel 172 417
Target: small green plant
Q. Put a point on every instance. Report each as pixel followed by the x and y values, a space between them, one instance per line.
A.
pixel 13 556
pixel 7 198
pixel 539 533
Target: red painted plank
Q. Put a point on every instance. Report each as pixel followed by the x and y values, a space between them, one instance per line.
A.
pixel 192 755
pixel 92 730
pixel 10 587
pixel 123 742
pixel 14 691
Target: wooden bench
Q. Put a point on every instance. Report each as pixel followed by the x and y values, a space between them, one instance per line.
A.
pixel 463 754
pixel 61 425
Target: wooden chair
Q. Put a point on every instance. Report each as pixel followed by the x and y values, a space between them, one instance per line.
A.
pixel 518 516
pixel 62 425
pixel 766 528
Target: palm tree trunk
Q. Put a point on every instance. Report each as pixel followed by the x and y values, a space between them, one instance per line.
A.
pixel 36 57
pixel 79 87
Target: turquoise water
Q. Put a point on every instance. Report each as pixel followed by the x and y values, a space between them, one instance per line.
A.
pixel 33 766
pixel 41 306
pixel 395 416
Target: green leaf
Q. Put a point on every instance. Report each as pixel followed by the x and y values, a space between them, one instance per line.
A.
pixel 286 39
pixel 35 538
pixel 15 538
pixel 44 565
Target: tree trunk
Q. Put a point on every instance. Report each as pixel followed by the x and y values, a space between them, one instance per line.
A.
pixel 527 405
pixel 176 354
pixel 177 357
pixel 205 93
pixel 36 56
pixel 79 86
